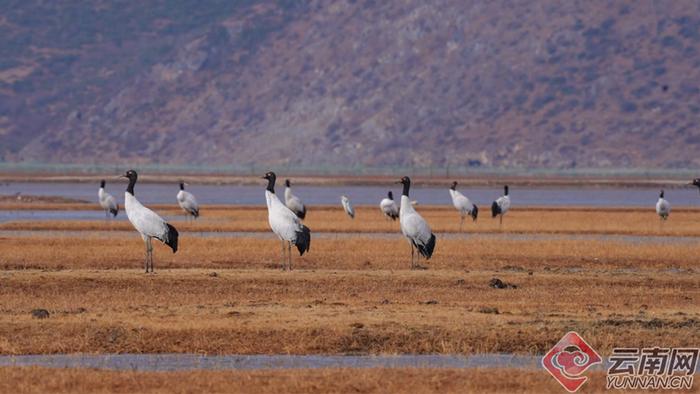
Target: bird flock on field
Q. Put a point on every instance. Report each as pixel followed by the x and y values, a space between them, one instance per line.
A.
pixel 286 218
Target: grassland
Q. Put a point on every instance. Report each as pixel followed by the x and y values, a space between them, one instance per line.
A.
pixel 309 312
pixel 352 294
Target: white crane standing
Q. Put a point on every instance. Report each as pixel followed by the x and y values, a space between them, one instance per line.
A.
pixel 663 207
pixel 414 227
pixel 285 224
pixel 389 207
pixel 347 206
pixel 293 202
pixel 187 202
pixel 147 222
pixel 463 205
pixel 107 201
pixel 500 206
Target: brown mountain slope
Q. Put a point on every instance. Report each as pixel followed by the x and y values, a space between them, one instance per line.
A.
pixel 380 83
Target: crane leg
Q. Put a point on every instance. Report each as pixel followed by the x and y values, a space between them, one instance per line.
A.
pixel 289 253
pixel 461 222
pixel 500 222
pixel 150 255
pixel 145 263
pixel 413 265
pixel 284 256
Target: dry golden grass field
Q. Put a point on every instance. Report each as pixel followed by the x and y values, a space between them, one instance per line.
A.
pixel 593 271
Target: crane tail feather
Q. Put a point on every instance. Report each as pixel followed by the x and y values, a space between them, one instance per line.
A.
pixel 427 249
pixel 303 241
pixel 475 212
pixel 171 237
pixel 495 209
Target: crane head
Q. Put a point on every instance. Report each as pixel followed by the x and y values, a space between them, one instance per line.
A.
pixel 131 175
pixel 405 181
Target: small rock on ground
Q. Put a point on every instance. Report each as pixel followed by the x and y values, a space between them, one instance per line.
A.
pixel 499 284
pixel 40 313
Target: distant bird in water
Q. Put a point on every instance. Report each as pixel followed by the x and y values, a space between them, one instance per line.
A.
pixel 147 222
pixel 663 207
pixel 463 205
pixel 347 206
pixel 285 224
pixel 696 182
pixel 293 202
pixel 187 202
pixel 501 206
pixel 389 207
pixel 107 201
pixel 414 227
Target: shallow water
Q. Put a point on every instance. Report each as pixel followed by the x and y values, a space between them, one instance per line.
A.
pixel 178 362
pixel 90 215
pixel 330 195
pixel 25 215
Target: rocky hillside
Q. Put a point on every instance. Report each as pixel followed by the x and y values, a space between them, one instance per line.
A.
pixel 591 84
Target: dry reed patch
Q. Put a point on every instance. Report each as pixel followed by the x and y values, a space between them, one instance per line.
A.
pixel 337 312
pixel 683 222
pixel 102 251
pixel 41 380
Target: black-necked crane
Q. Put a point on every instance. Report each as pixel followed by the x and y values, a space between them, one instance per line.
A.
pixel 293 202
pixel 107 201
pixel 463 205
pixel 501 205
pixel 663 207
pixel 147 222
pixel 285 224
pixel 388 206
pixel 187 202
pixel 696 182
pixel 347 206
pixel 414 227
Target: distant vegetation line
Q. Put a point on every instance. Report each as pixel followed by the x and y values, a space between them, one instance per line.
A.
pixel 257 169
